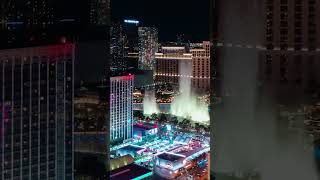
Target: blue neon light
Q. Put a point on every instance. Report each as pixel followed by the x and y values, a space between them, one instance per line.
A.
pixel 131 21
pixel 142 176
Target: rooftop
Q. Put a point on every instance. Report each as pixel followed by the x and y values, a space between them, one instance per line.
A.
pixel 142 127
pixel 170 157
pixel 131 171
pixel 131 148
pixel 120 162
pixel 191 152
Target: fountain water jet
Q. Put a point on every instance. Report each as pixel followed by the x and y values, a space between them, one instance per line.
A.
pixel 149 103
pixel 186 104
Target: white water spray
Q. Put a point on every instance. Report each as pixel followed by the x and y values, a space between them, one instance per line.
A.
pixel 186 104
pixel 149 103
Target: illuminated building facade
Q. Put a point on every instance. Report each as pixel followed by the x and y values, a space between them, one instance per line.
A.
pixel 167 64
pixel 173 163
pixel 90 127
pixel 291 30
pixel 132 60
pixel 169 60
pixel 121 112
pixel 124 47
pixel 130 28
pixel 168 165
pixel 117 43
pixel 132 150
pixel 140 130
pixel 36 116
pixel 131 45
pixel 99 12
pixel 31 13
pixel 124 168
pixel 201 66
pixel 148 46
pixel 17 16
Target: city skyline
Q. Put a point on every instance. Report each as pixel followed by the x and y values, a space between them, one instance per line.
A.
pixel 179 17
pixel 170 90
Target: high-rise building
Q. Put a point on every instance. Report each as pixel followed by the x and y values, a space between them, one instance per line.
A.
pixel 117 43
pixel 130 28
pixel 90 131
pixel 169 60
pixel 285 38
pixel 132 60
pixel 167 68
pixel 148 46
pixel 37 112
pixel 121 113
pixel 289 63
pixel 99 12
pixel 31 13
pixel 18 18
pixel 131 45
pixel 201 66
pixel 124 45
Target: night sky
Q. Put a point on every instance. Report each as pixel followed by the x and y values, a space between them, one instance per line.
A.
pixel 171 17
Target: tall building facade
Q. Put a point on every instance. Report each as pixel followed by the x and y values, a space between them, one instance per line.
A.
pixel 167 68
pixel 30 13
pixel 18 18
pixel 124 44
pixel 169 60
pixel 99 12
pixel 121 112
pixel 201 66
pixel 117 44
pixel 148 46
pixel 291 38
pixel 37 112
pixel 130 28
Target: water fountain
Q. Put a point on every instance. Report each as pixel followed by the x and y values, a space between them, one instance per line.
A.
pixel 150 105
pixel 186 104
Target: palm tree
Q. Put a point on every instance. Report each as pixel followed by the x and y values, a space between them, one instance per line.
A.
pixel 162 118
pixel 138 114
pixel 174 120
pixel 186 123
pixel 154 116
pixel 197 126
